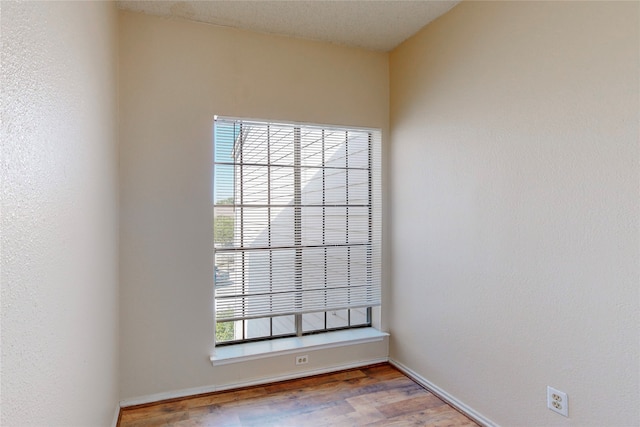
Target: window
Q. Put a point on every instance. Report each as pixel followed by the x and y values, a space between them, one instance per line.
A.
pixel 296 228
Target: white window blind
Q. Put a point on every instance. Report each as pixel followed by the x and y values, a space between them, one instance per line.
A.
pixel 297 216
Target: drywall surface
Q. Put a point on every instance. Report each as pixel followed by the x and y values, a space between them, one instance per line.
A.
pixel 515 204
pixel 174 77
pixel 59 214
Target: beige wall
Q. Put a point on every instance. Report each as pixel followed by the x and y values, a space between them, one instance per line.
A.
pixel 514 209
pixel 59 214
pixel 514 202
pixel 174 77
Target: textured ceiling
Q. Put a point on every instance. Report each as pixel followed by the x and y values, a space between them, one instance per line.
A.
pixel 376 25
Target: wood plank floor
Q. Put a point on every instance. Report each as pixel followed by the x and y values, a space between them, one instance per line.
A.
pixel 376 395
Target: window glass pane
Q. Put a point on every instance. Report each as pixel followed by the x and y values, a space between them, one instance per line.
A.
pixel 281 141
pixel 335 225
pixel 358 189
pixel 335 148
pixel 358 149
pixel 282 187
pixel 252 149
pixel 358 272
pixel 312 186
pixel 225 331
pixel 224 138
pixel 311 147
pixel 223 189
pixel 257 328
pixel 223 226
pixel 222 274
pixel 358 224
pixel 253 225
pixel 255 185
pixel 282 275
pixel 282 226
pixel 337 264
pixel 337 319
pixel 313 273
pixel 358 316
pixel 256 272
pixel 313 226
pixel 335 187
pixel 313 322
pixel 284 325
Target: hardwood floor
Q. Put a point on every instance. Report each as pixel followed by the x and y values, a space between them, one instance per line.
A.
pixel 378 395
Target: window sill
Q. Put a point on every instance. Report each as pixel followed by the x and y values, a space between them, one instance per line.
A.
pixel 278 347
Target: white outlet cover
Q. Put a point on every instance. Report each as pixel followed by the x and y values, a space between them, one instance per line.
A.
pixel 558 401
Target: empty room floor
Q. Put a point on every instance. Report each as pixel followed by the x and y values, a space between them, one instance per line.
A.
pixel 378 395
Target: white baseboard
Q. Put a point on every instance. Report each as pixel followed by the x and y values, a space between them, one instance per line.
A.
pixel 442 394
pixel 116 416
pixel 151 398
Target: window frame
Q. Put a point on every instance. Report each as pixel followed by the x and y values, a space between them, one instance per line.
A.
pixel 374 165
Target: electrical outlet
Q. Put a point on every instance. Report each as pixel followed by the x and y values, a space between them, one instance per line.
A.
pixel 557 401
pixel 301 360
